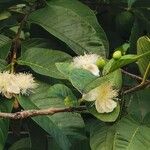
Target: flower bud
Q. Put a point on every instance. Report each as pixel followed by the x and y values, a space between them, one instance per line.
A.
pixel 117 55
pixel 100 63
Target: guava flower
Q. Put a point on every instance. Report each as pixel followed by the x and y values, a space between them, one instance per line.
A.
pixel 13 84
pixel 25 83
pixel 8 84
pixel 104 97
pixel 88 62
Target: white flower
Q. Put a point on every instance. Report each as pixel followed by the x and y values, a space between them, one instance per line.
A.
pixel 88 62
pixel 12 84
pixel 25 82
pixel 103 96
pixel 8 84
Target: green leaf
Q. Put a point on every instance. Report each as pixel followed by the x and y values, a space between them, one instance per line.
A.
pixel 35 42
pixel 65 68
pixel 131 2
pixel 4 15
pixel 101 136
pixel 37 136
pixel 59 125
pixel 5 45
pixel 43 61
pixel 106 117
pixel 113 64
pixel 78 28
pixel 138 105
pixel 143 46
pixel 131 135
pixel 2 64
pixel 80 78
pixel 22 144
pixel 5 106
pixel 115 78
pixel 127 134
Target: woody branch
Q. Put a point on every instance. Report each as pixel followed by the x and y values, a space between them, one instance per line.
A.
pixel 34 112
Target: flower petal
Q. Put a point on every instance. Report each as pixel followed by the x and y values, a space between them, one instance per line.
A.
pixel 99 107
pixel 91 96
pixel 105 106
pixel 92 68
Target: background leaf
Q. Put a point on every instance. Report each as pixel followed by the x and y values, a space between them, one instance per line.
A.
pixel 22 144
pixel 5 45
pixel 101 136
pixel 5 106
pixel 46 64
pixel 143 46
pixel 131 135
pixel 126 134
pixel 78 28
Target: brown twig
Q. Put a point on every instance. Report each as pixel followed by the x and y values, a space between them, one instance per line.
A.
pixel 136 88
pixel 16 43
pixel 133 76
pixel 34 112
pixel 144 83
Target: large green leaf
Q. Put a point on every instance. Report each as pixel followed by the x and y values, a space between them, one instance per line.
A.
pixel 138 105
pixel 35 42
pixel 127 134
pixel 101 136
pixel 143 46
pixel 61 125
pixel 131 135
pixel 73 23
pixel 5 106
pixel 43 61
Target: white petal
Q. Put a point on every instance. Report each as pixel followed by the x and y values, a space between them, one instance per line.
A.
pixel 91 96
pixel 13 89
pixel 7 95
pixel 105 106
pixel 99 107
pixel 92 68
pixel 111 104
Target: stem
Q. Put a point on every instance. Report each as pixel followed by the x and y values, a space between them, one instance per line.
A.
pixel 142 85
pixel 146 74
pixel 136 88
pixel 34 112
pixel 132 75
pixel 16 44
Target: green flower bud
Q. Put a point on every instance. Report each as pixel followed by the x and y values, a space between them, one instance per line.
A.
pixel 100 62
pixel 68 102
pixel 27 35
pixel 117 55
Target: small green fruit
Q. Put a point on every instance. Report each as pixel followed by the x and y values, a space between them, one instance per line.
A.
pixel 100 63
pixel 117 55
